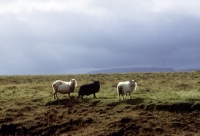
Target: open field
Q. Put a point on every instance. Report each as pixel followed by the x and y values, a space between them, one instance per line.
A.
pixel 164 104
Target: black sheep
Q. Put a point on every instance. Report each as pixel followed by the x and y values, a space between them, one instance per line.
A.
pixel 88 89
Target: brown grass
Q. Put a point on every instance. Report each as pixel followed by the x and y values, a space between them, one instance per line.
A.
pixel 164 103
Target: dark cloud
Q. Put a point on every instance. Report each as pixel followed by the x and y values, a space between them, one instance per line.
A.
pixel 55 39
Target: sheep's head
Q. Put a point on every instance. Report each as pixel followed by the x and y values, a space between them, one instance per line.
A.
pixel 133 82
pixel 96 82
pixel 73 82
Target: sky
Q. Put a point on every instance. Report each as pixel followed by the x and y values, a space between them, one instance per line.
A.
pixel 77 36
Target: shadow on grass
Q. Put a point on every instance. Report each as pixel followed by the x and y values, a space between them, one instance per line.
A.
pixel 67 101
pixel 135 101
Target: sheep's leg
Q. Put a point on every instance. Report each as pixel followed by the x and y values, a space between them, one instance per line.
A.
pixel 123 96
pixel 69 95
pixel 80 96
pixel 55 89
pixel 54 93
pixel 55 96
pixel 119 97
pixel 94 96
pixel 130 95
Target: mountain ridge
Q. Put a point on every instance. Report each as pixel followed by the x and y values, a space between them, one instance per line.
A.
pixel 132 69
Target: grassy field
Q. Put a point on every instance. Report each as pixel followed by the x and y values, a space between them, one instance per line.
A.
pixel 164 103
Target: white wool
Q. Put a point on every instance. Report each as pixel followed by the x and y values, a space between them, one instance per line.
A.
pixel 127 87
pixel 63 87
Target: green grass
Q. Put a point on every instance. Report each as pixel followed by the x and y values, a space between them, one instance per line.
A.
pixel 162 87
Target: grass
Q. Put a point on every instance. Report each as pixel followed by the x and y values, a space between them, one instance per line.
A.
pixel 28 101
pixel 162 87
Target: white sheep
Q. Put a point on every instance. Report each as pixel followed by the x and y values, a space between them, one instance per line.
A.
pixel 124 88
pixel 63 87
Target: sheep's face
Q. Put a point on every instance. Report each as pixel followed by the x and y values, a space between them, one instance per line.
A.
pixel 132 82
pixel 73 82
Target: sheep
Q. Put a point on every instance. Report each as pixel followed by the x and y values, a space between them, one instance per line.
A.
pixel 88 89
pixel 124 88
pixel 63 87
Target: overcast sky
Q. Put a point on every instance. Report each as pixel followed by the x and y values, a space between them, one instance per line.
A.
pixel 76 36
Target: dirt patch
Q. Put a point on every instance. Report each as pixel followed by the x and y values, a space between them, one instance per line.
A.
pixel 102 117
pixel 174 107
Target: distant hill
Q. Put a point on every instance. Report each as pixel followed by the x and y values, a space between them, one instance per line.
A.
pixel 134 69
pixel 186 70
